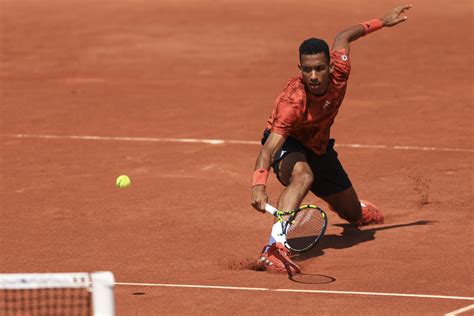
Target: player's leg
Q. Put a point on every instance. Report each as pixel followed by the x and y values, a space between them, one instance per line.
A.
pixel 333 185
pixel 355 211
pixel 295 173
pixel 346 204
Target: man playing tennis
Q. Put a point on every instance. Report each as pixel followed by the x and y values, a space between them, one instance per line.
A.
pixel 296 141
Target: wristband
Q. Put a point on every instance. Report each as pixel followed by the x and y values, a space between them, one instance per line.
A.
pixel 372 25
pixel 260 176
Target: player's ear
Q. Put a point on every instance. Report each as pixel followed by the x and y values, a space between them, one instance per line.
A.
pixel 331 68
pixel 299 67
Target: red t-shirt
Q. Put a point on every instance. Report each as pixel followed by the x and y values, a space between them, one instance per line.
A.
pixel 306 117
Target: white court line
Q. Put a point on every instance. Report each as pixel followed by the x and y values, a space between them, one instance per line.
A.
pixel 296 290
pixel 459 311
pixel 222 141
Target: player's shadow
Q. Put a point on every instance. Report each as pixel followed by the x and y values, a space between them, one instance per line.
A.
pixel 351 236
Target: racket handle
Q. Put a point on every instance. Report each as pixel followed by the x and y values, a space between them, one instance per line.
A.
pixel 270 209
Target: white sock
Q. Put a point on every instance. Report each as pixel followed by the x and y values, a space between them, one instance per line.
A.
pixel 276 234
pixel 271 240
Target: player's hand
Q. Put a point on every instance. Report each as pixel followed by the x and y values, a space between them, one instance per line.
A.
pixel 259 198
pixel 395 16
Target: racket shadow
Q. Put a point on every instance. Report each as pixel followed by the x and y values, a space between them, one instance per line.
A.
pixel 350 237
pixel 307 278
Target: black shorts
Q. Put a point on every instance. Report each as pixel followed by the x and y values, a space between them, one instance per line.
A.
pixel 329 175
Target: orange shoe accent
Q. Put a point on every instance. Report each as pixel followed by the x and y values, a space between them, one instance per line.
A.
pixel 371 214
pixel 277 260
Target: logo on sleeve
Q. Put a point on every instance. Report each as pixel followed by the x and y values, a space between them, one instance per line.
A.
pixel 326 104
pixel 344 57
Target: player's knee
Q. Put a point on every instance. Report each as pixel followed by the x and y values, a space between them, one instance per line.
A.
pixel 304 179
pixel 351 213
pixel 355 213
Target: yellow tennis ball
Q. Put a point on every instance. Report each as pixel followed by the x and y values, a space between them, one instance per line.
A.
pixel 123 181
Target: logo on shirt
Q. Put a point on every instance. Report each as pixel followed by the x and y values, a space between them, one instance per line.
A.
pixel 282 153
pixel 326 104
pixel 344 57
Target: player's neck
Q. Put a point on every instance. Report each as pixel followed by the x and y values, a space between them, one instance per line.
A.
pixel 315 96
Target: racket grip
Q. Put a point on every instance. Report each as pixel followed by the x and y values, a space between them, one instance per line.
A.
pixel 270 209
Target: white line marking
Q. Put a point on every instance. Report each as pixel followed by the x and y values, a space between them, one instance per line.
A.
pixel 459 311
pixel 222 141
pixel 219 287
pixel 296 290
pixel 128 139
pixel 407 148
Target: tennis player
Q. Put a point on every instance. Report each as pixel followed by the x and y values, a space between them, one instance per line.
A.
pixel 296 142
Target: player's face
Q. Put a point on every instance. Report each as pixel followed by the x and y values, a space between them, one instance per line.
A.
pixel 315 70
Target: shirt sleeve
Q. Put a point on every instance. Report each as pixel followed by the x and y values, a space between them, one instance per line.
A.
pixel 288 108
pixel 341 66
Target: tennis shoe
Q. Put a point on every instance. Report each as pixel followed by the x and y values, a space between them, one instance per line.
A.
pixel 371 214
pixel 276 259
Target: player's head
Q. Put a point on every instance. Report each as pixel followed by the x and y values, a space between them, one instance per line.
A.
pixel 315 65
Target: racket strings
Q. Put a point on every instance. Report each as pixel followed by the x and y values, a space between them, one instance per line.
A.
pixel 305 229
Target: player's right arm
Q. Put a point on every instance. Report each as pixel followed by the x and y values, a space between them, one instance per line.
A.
pixel 287 111
pixel 264 161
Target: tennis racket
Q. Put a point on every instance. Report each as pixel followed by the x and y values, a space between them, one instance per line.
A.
pixel 301 228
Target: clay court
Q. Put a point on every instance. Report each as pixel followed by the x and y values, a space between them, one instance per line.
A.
pixel 176 94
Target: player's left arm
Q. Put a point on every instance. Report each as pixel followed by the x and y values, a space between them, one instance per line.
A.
pixel 392 18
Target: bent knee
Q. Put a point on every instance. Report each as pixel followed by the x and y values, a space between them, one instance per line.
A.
pixel 303 178
pixel 352 214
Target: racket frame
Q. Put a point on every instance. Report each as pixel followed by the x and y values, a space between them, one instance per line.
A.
pixel 291 215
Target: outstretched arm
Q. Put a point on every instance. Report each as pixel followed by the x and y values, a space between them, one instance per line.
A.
pixel 264 161
pixel 392 18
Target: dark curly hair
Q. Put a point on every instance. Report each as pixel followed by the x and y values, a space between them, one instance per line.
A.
pixel 313 46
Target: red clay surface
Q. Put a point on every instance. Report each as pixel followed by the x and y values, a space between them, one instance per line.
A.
pixel 204 70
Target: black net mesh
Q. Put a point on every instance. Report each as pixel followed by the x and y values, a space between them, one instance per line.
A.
pixel 50 301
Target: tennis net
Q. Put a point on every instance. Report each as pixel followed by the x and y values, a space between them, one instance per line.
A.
pixel 88 294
